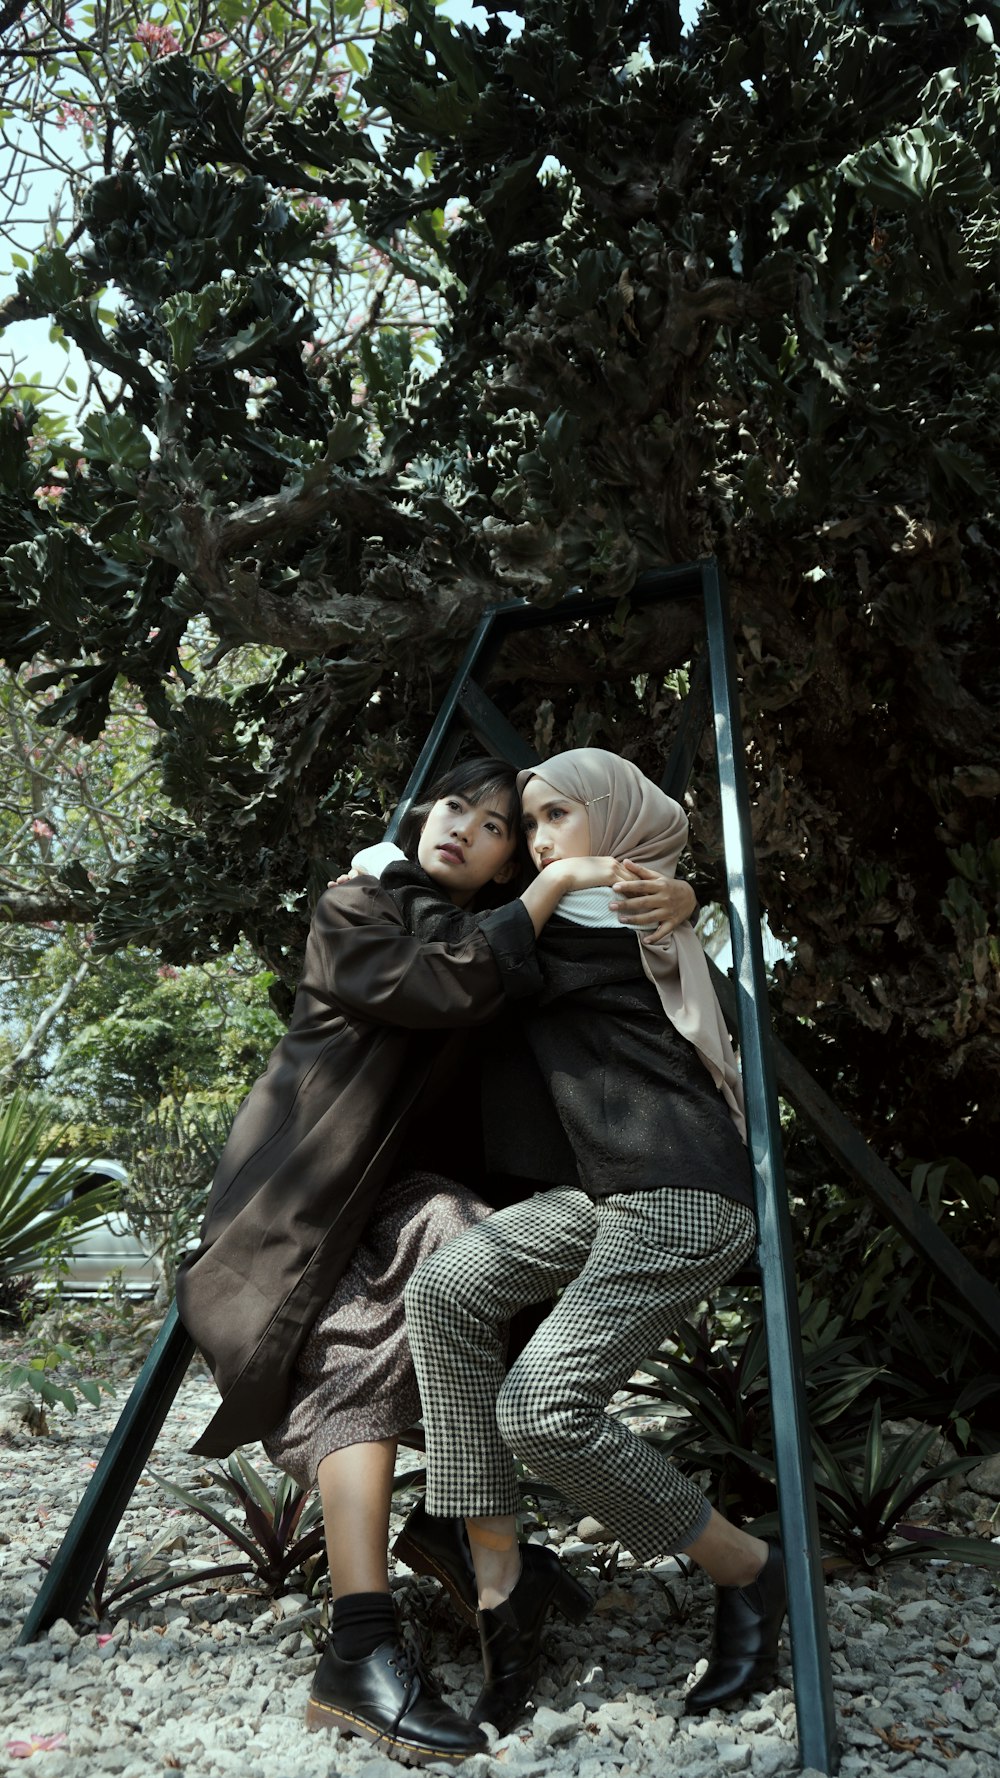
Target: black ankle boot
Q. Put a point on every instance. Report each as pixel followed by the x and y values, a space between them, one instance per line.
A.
pixel 389 1699
pixel 440 1548
pixel 511 1634
pixel 748 1622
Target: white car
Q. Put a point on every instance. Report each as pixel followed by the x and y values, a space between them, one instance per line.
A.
pixel 105 1247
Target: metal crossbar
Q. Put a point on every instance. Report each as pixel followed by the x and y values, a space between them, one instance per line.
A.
pixel 713 693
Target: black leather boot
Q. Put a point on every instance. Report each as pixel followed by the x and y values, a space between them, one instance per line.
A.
pixel 511 1634
pixel 440 1548
pixel 748 1622
pixel 389 1699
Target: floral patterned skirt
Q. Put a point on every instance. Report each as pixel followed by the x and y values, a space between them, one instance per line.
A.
pixel 354 1381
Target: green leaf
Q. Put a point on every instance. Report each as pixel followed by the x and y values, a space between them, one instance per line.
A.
pixel 206 1511
pixel 254 1482
pixel 919 1542
pixel 114 438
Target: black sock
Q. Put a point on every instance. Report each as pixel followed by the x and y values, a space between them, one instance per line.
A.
pixel 360 1622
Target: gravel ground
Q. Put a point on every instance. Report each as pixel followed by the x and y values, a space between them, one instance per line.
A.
pixel 210 1683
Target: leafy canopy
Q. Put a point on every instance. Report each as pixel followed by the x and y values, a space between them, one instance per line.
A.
pixel 730 289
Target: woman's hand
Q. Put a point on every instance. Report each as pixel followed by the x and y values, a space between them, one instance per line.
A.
pixel 645 895
pixel 349 876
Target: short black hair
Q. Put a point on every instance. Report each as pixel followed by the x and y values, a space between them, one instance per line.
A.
pixel 476 780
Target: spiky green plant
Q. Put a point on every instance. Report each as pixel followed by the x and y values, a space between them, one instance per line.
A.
pixel 35 1214
pixel 863 1504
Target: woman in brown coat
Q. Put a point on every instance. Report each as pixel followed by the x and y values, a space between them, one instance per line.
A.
pixel 315 1219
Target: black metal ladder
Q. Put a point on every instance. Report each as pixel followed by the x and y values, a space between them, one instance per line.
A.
pixel 467 706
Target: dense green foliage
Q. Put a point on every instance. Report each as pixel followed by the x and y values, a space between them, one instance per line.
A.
pixel 728 290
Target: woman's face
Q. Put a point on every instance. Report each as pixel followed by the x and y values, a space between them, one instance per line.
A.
pixel 465 845
pixel 554 826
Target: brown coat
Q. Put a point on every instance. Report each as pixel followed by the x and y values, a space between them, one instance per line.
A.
pixel 315 1140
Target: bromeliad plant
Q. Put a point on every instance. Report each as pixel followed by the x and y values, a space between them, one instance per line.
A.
pixel 280 1537
pixel 714 1391
pixel 37 1208
pixel 281 1532
pixel 38 1217
pixel 862 1504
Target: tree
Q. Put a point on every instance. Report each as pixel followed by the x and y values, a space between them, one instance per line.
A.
pixel 72 809
pixel 61 71
pixel 140 1032
pixel 729 289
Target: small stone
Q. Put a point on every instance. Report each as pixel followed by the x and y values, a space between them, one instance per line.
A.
pixel 733 1756
pixel 985 1479
pixel 770 1757
pixel 517 1755
pixel 63 1634
pixel 917 1611
pixel 592 1676
pixel 756 1721
pixel 965 1766
pixel 290 1604
pixel 661 1730
pixel 552 1728
pixel 591 1530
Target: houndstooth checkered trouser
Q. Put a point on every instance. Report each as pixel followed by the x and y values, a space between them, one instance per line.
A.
pixel 629 1267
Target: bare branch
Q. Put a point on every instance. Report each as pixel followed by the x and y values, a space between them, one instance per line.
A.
pixel 48 907
pixel 33 1043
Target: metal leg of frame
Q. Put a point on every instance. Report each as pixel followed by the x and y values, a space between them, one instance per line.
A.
pixel 813 1682
pixel 71 1576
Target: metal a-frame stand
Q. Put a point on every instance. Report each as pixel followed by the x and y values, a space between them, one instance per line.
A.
pixel 467 707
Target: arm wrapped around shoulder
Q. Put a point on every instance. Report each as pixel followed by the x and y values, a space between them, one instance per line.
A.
pixel 361 956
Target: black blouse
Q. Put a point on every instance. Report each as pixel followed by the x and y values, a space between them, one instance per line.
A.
pixel 590 1085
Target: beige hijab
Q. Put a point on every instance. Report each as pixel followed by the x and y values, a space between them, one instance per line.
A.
pixel 631 818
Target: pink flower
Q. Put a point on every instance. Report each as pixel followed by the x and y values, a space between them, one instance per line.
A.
pixel 167 973
pixel 36 1744
pixel 159 40
pixel 42 827
pixel 84 115
pixel 212 39
pixel 51 491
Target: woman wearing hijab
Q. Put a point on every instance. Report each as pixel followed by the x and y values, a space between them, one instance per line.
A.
pixel 622 1100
